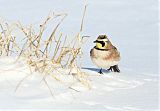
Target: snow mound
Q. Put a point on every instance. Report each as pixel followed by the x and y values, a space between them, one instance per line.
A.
pixel 21 89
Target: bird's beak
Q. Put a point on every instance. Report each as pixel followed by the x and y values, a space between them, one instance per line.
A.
pixel 95 41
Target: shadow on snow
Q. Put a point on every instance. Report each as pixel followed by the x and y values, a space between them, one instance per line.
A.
pixel 96 69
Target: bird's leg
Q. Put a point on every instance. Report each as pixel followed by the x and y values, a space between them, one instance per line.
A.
pixel 110 69
pixel 100 71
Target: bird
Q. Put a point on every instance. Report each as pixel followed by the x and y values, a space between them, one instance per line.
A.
pixel 105 55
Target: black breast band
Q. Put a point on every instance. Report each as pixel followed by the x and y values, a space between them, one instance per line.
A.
pixel 101 49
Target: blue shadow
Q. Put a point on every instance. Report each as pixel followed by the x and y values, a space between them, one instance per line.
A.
pixel 96 69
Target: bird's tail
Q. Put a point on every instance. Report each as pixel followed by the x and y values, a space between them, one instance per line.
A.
pixel 115 68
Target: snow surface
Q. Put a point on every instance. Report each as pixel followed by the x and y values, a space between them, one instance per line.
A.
pixel 132 25
pixel 126 91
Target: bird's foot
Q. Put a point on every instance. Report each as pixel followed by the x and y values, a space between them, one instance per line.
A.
pixel 100 71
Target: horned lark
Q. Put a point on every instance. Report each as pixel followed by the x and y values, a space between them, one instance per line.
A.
pixel 105 55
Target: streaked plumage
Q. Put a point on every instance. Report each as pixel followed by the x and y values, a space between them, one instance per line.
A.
pixel 105 55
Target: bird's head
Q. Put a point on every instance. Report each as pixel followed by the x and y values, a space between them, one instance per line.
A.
pixel 102 42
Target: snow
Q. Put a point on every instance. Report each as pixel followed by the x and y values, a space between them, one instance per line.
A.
pixel 111 91
pixel 131 25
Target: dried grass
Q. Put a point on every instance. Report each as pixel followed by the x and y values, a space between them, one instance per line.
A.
pixel 45 55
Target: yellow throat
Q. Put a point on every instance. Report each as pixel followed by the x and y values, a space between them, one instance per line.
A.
pixel 99 46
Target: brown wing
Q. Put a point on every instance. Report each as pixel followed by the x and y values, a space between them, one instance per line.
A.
pixel 92 52
pixel 114 54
